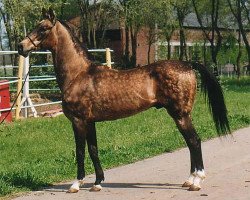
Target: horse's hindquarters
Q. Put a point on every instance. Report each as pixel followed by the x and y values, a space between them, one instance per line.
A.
pixel 176 88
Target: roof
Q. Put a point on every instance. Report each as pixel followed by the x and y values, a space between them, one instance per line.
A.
pixel 190 21
pixel 227 22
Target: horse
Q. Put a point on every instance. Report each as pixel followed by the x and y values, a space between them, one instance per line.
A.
pixel 93 93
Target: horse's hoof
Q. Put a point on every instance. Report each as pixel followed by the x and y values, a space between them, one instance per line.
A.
pixel 72 190
pixel 76 186
pixel 194 188
pixel 187 184
pixel 96 188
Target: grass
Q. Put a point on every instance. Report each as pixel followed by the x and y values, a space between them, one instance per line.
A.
pixel 38 152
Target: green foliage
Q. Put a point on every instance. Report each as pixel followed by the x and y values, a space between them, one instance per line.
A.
pixel 67 9
pixel 162 52
pixel 38 152
pixel 234 84
pixel 229 51
pixel 18 14
pixel 96 16
pixel 99 15
pixel 197 52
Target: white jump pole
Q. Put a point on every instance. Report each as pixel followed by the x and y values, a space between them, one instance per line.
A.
pixel 19 87
pixel 26 101
pixel 108 57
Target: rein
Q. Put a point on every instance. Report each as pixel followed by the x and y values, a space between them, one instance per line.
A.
pixel 25 79
pixel 14 103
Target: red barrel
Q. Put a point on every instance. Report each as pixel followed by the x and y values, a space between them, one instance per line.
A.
pixel 5 101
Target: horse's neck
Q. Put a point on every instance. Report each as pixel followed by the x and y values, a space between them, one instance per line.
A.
pixel 68 61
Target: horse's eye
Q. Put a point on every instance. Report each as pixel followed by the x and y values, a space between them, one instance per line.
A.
pixel 43 30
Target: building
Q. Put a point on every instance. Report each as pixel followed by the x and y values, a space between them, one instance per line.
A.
pixel 115 39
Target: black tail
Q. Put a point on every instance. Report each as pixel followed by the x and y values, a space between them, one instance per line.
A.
pixel 215 98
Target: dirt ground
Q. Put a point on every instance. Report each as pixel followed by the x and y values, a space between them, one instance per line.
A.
pixel 227 165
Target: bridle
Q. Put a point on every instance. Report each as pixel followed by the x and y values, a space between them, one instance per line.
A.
pixel 25 79
pixel 43 38
pixel 32 41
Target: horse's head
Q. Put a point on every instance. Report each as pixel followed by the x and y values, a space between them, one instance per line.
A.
pixel 41 37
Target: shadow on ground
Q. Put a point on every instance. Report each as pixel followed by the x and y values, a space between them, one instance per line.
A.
pixel 86 186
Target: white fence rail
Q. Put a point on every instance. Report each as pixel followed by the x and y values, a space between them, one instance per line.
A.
pixel 26 102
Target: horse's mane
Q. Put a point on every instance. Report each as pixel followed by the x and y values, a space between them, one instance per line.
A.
pixel 78 45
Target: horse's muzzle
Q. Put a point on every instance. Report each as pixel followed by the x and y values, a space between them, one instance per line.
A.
pixel 21 50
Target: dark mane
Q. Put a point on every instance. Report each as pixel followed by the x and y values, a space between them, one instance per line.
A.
pixel 78 45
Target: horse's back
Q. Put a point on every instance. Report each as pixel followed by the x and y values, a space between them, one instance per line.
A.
pixel 170 84
pixel 106 94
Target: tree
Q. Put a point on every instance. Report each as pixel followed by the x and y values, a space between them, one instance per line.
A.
pixel 182 8
pixel 241 13
pixel 95 16
pixel 151 9
pixel 167 23
pixel 158 18
pixel 209 11
pixel 18 15
pixel 131 15
pixel 12 24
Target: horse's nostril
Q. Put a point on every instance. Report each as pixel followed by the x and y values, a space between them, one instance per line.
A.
pixel 20 48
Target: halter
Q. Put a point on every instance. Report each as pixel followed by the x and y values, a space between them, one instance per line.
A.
pixel 43 37
pixel 32 41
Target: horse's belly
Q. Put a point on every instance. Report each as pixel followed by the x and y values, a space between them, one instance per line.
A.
pixel 112 114
pixel 115 106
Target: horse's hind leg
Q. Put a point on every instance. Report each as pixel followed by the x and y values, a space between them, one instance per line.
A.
pixel 197 174
pixel 93 152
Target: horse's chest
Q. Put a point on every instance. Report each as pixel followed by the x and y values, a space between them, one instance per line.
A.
pixel 76 104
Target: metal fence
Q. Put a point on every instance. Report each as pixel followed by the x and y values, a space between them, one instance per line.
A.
pixel 26 101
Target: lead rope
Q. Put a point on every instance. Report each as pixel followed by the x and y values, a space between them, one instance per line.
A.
pixel 14 102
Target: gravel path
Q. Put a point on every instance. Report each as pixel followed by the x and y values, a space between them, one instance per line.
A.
pixel 227 165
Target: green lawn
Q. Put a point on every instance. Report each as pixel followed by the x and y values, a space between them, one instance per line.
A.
pixel 38 152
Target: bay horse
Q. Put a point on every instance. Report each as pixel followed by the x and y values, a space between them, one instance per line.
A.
pixel 92 93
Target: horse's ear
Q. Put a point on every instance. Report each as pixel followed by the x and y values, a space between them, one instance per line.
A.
pixel 52 15
pixel 45 13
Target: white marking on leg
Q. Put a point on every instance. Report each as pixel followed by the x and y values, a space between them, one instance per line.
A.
pixel 96 188
pixel 99 187
pixel 76 185
pixel 191 178
pixel 200 176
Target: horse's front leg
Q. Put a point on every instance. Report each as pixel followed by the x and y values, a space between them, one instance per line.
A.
pixel 93 152
pixel 80 132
